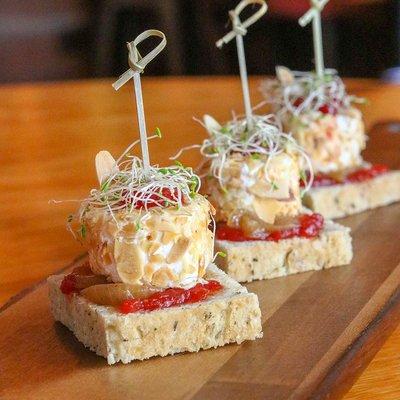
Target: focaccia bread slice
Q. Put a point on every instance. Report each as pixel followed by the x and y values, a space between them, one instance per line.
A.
pixel 232 315
pixel 350 198
pixel 255 260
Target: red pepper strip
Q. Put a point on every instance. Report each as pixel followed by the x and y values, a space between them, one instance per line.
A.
pixel 171 297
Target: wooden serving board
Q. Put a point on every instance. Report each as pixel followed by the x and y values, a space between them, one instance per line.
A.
pixel 320 331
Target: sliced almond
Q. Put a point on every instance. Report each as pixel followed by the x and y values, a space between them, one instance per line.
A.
pixel 130 262
pixel 210 123
pixel 157 258
pixel 166 226
pixel 130 229
pixel 189 269
pixel 178 250
pixel 266 209
pixel 168 237
pixel 284 75
pixel 260 188
pixel 148 272
pixel 106 254
pixel 280 190
pixel 105 165
pixel 154 247
pixel 202 266
pixel 163 277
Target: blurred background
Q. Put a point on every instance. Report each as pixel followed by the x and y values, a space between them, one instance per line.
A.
pixel 44 40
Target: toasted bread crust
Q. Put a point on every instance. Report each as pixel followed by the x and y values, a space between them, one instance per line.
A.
pixel 255 260
pixel 350 198
pixel 230 316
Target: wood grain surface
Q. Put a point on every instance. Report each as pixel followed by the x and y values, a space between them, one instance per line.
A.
pixel 49 136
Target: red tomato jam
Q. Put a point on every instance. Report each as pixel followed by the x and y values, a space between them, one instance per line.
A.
pixel 324 109
pixel 365 174
pixel 309 226
pixel 68 284
pixel 359 175
pixel 170 297
pixel 322 180
pixel 80 278
pixel 157 199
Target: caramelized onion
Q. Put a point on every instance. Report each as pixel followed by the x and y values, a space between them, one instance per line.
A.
pixel 113 294
pixel 253 227
pixel 84 277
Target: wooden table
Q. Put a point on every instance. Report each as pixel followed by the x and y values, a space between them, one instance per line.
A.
pixel 50 134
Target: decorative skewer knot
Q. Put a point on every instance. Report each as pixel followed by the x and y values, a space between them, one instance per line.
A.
pixel 238 27
pixel 316 6
pixel 136 62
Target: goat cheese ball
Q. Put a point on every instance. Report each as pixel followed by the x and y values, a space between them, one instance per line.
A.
pixel 147 226
pixel 256 188
pixel 321 116
pixel 333 142
pixel 171 247
pixel 252 177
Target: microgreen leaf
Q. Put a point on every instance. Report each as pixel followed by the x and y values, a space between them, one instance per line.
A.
pixel 82 231
pixel 105 185
pixel 303 175
pixel 255 156
pixel 158 132
pixel 244 136
pixel 274 186
pixel 221 254
pixel 179 164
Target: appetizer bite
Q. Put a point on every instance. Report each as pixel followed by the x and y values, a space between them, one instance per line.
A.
pixel 252 174
pixel 149 286
pixel 252 177
pixel 324 121
pixel 321 116
pixel 316 109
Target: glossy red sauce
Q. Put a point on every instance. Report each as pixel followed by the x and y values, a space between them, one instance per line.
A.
pixel 323 180
pixel 309 226
pixel 80 278
pixel 360 175
pixel 163 299
pixel 171 297
pixel 155 199
pixel 364 174
pixel 68 284
pixel 324 109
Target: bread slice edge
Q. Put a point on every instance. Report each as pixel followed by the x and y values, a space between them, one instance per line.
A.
pixel 230 316
pixel 257 260
pixel 339 201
